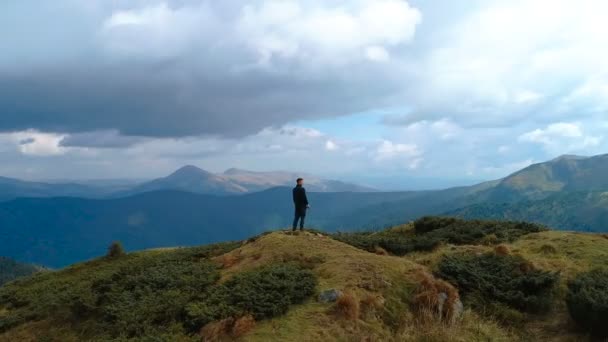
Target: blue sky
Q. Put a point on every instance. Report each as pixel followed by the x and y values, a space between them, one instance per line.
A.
pixel 395 93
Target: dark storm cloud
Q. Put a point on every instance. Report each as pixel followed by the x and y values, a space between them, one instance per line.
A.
pixel 100 139
pixel 187 68
pixel 152 101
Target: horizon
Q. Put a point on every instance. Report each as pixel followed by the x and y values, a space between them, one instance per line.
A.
pixel 386 91
pixel 379 183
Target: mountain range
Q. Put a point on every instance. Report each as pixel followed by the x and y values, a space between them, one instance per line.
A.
pixel 192 207
pixel 237 181
pixel 188 178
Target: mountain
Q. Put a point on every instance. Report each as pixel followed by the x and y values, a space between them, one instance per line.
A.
pixel 188 178
pixel 562 174
pixel 256 181
pixel 477 281
pixel 59 231
pixel 12 188
pixel 11 270
pixel 580 211
pixel 565 193
pixel 236 181
pixel 191 179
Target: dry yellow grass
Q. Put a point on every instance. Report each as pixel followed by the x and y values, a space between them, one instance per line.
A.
pixel 386 284
pixel 569 253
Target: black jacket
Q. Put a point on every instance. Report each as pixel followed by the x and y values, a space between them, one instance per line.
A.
pixel 299 197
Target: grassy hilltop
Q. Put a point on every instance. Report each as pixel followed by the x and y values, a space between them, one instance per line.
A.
pixel 515 281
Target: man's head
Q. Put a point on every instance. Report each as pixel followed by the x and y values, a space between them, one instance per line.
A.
pixel 300 181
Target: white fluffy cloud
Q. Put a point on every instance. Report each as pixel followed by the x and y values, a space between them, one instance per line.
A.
pixel 513 61
pixel 306 31
pixel 561 137
pixel 331 146
pixel 315 30
pixel 409 154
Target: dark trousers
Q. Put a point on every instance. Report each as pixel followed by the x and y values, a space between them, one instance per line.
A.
pixel 300 215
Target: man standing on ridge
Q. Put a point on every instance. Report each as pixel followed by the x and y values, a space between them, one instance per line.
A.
pixel 301 204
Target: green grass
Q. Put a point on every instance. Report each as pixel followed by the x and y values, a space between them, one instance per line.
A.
pixel 169 294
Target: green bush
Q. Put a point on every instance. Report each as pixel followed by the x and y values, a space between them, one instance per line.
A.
pixel 263 293
pixel 587 301
pixel 430 232
pixel 115 250
pixel 139 295
pixel 139 298
pixel 142 296
pixel 429 223
pixel 505 279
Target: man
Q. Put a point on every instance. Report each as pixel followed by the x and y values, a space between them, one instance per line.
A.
pixel 301 204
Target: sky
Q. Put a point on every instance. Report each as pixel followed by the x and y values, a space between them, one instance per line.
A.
pixel 392 93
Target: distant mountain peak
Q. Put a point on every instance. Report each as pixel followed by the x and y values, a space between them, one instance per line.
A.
pixel 569 157
pixel 190 170
pixel 236 171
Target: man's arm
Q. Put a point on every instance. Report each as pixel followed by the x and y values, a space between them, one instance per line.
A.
pixel 304 197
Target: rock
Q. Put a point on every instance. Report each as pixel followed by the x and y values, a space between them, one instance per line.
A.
pixel 329 296
pixel 449 313
pixel 441 298
pixel 457 309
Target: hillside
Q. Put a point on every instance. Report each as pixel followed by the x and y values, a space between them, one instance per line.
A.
pixel 563 174
pixel 580 211
pixel 267 288
pixel 12 188
pixel 11 270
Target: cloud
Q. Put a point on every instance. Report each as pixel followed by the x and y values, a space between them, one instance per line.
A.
pixel 498 65
pixel 116 88
pixel 389 150
pixel 100 139
pixel 561 137
pixel 174 69
pixel 34 143
pixel 331 146
pixel 318 31
pixel 377 53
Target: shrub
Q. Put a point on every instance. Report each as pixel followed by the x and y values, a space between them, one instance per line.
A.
pixel 429 223
pixel 136 296
pixel 506 279
pixel 217 331
pixel 380 251
pixel 243 325
pixel 263 293
pixel 139 298
pixel 115 250
pixel 502 250
pixel 370 305
pixel 435 299
pixel 347 307
pixel 227 329
pixel 489 240
pixel 587 301
pixel 431 232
